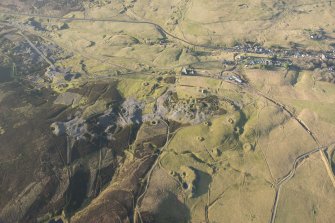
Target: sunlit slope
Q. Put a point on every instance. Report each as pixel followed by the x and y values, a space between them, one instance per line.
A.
pixel 227 22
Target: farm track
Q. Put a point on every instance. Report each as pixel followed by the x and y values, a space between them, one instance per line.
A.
pixel 298 160
pixel 159 28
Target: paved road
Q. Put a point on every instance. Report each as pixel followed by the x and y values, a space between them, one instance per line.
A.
pixel 157 26
pixel 287 53
pixel 297 162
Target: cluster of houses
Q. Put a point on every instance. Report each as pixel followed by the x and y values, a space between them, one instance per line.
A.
pixel 187 71
pixel 250 61
pixel 279 57
pixel 228 77
pixel 252 48
pixel 296 53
